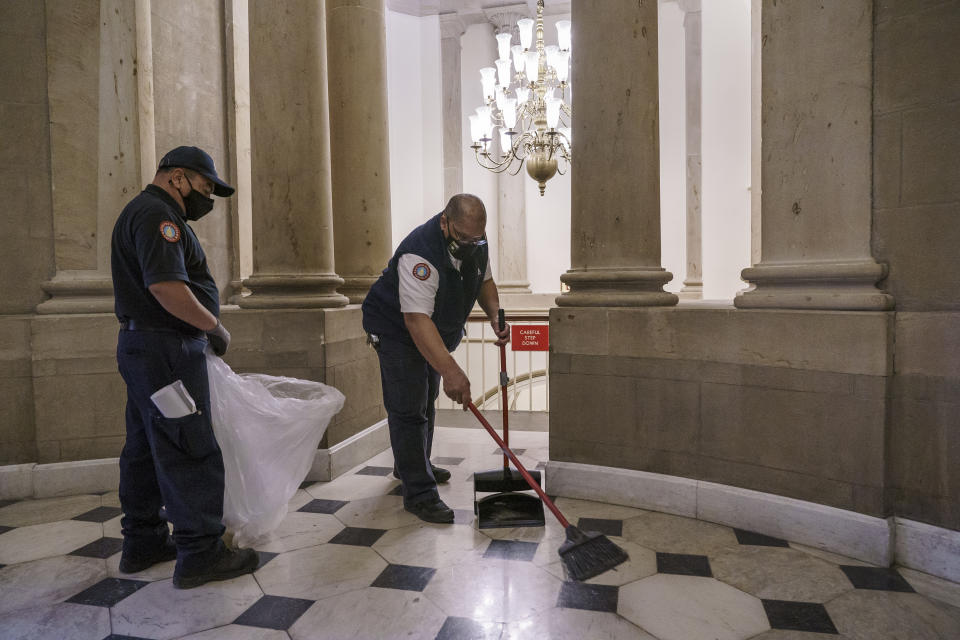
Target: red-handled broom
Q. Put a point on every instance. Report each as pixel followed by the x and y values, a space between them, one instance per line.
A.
pixel 584 554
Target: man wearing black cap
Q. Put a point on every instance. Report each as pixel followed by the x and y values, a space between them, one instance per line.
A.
pixel 168 306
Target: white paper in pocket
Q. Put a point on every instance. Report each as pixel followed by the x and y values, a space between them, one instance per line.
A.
pixel 174 401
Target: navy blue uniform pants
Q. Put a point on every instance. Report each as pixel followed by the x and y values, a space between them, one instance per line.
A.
pixel 173 463
pixel 410 388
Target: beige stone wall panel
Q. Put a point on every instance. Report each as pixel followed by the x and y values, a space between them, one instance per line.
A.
pixel 931 151
pixel 27 258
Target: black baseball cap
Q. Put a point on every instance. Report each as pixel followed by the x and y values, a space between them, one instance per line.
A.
pixel 200 161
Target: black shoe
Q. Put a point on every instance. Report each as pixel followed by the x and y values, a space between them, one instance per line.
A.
pixel 431 511
pixel 131 562
pixel 442 476
pixel 230 564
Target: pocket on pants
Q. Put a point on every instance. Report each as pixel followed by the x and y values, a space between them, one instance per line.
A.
pixel 192 434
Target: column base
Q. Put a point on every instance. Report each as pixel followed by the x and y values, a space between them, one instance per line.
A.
pixel 692 290
pixel 836 286
pixel 71 293
pixel 292 291
pixel 617 288
pixel 355 288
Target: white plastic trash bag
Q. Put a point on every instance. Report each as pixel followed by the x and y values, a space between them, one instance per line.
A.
pixel 268 428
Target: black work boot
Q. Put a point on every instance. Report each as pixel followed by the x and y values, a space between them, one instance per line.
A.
pixel 442 476
pixel 228 563
pixel 135 561
pixel 433 510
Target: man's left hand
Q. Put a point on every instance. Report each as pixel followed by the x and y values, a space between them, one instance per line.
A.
pixel 503 337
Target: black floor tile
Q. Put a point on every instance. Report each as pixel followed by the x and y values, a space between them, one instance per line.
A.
pixel 102 548
pixel 466 629
pixel 798 616
pixel 4 503
pixel 511 550
pixel 265 557
pixel 601 525
pixel 516 452
pixel 758 539
pixel 2 566
pixel 447 460
pixel 684 565
pixel 402 576
pixel 358 536
pixel 108 592
pixel 322 506
pixel 396 491
pixel 590 597
pixel 114 636
pixel 541 466
pixel 306 483
pixel 877 578
pixel 5 529
pixel 100 514
pixel 375 471
pixel 274 612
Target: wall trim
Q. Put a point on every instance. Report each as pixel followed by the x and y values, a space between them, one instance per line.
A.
pixel 23 481
pixel 881 541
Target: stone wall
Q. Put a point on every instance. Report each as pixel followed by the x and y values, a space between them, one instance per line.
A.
pixel 64 400
pixel 785 402
pixel 916 209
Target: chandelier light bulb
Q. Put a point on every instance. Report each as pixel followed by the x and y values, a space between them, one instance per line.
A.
pixel 503 71
pixel 526 32
pixel 523 94
pixel 475 130
pixel 552 52
pixel 510 113
pixel 553 111
pixel 563 65
pixel 518 58
pixel 486 124
pixel 505 142
pixel 503 45
pixel 532 65
pixel 563 34
pixel 500 97
pixel 488 79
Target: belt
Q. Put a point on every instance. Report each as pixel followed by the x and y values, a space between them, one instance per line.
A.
pixel 137 325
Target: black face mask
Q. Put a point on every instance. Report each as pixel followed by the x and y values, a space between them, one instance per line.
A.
pixel 461 251
pixel 196 205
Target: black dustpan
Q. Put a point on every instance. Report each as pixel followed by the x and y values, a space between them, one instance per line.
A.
pixel 508 506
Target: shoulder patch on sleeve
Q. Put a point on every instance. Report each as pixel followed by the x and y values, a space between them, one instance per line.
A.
pixel 421 271
pixel 169 231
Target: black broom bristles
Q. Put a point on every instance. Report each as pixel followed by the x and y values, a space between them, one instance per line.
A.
pixel 588 554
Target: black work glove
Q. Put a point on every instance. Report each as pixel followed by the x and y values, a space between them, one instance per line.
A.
pixel 219 339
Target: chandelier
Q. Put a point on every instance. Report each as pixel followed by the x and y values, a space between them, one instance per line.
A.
pixel 528 103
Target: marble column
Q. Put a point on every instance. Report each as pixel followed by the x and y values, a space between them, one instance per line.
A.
pixel 693 282
pixel 359 141
pixel 100 91
pixel 452 28
pixel 511 273
pixel 816 176
pixel 615 181
pixel 240 205
pixel 290 159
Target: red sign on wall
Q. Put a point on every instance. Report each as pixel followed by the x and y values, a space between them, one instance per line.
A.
pixel 530 337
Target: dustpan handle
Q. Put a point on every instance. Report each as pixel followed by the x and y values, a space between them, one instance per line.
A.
pixel 502 322
pixel 526 474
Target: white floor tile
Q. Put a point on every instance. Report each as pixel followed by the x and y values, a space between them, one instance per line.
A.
pixel 33 542
pixel 47 581
pixel 370 613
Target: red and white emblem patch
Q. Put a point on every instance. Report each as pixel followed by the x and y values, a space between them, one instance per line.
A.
pixel 169 231
pixel 421 271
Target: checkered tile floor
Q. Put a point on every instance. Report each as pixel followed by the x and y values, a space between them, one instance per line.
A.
pixel 349 562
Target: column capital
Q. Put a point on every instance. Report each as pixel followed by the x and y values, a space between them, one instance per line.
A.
pixel 452 25
pixel 504 19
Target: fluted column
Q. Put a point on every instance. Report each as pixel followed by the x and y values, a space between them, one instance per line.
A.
pixel 452 28
pixel 290 159
pixel 693 281
pixel 816 175
pixel 100 90
pixel 512 200
pixel 615 180
pixel 359 142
